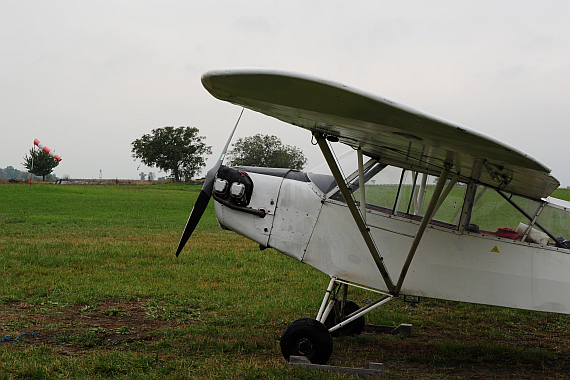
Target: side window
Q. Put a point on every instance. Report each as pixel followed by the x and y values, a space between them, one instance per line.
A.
pixel 409 193
pixel 491 211
pixel 450 210
pixel 418 197
pixel 381 189
pixel 556 221
pixel 405 202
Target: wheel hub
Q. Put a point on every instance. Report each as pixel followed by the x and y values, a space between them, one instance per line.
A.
pixel 304 346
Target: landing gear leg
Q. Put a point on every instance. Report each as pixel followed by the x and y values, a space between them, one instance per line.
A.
pixel 340 313
pixel 312 338
pixel 348 317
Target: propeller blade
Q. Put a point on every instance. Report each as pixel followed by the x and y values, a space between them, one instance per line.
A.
pixel 197 211
pixel 204 196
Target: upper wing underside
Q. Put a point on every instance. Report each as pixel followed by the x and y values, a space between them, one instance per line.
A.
pixel 384 129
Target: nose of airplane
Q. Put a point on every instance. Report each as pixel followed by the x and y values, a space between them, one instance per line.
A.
pixel 234 189
pixel 246 201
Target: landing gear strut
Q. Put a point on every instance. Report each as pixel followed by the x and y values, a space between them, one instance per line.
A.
pixel 339 315
pixel 312 338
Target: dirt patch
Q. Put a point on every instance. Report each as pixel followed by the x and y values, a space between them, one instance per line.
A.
pixel 75 329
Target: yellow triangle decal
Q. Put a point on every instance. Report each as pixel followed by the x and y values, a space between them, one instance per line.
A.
pixel 496 250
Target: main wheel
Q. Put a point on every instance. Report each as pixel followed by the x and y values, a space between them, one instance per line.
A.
pixel 307 337
pixel 353 328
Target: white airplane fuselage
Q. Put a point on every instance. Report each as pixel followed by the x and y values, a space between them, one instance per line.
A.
pixel 301 222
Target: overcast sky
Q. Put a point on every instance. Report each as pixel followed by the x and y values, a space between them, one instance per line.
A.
pixel 88 77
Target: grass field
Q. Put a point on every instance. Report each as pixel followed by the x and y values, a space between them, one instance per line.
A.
pixel 91 270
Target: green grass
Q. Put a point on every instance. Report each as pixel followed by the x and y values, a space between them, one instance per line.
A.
pixel 92 270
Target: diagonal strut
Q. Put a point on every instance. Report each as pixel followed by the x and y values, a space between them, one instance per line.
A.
pixel 435 200
pixel 354 210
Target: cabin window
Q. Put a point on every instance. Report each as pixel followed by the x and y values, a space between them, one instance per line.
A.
pixel 407 194
pixel 381 189
pixel 450 209
pixel 556 220
pixel 491 211
pixel 415 199
pixel 390 188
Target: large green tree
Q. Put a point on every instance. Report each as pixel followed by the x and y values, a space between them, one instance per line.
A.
pixel 265 151
pixel 43 163
pixel 179 151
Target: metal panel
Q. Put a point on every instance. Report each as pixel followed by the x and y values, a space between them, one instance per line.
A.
pixel 447 265
pixel 297 211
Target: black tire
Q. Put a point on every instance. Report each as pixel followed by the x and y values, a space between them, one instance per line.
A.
pixel 307 337
pixel 353 328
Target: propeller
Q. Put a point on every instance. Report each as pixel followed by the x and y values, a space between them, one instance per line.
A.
pixel 204 196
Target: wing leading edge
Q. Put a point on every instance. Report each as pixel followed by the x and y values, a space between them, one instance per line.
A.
pixel 393 132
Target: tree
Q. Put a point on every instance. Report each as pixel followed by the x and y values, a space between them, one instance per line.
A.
pixel 142 175
pixel 43 163
pixel 11 172
pixel 179 151
pixel 265 151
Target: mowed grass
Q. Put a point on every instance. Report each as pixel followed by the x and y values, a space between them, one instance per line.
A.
pixel 92 271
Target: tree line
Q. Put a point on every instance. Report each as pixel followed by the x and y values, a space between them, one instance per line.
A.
pixel 37 162
pixel 180 152
pixel 10 172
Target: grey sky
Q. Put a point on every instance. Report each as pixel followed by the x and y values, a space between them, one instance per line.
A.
pixel 87 78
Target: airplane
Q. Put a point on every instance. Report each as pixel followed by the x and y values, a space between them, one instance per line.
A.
pixel 445 211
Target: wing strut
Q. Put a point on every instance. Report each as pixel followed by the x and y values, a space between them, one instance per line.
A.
pixel 361 184
pixel 354 210
pixel 435 200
